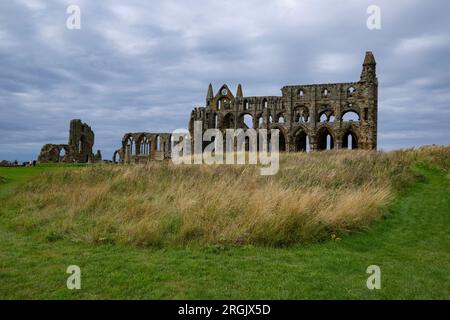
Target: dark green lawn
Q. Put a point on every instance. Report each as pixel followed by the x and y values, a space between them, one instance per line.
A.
pixel 411 245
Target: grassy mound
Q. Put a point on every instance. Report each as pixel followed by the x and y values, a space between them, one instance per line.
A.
pixel 313 197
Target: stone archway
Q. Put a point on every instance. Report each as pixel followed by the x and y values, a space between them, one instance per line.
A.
pixel 228 121
pixel 246 121
pixel 349 140
pixel 325 139
pixel 282 136
pixel 301 141
pixel 116 157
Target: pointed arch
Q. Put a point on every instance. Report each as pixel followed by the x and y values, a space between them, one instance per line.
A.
pixel 158 143
pixel 215 120
pixel 228 121
pixel 144 146
pixel 282 143
pixel 301 140
pixel 137 139
pixel 247 120
pixel 301 114
pixel 350 139
pixel 128 144
pixel 260 120
pixel 116 156
pixel 326 115
pixel 325 139
pixel 246 104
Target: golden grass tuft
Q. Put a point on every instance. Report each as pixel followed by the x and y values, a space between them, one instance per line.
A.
pixel 312 196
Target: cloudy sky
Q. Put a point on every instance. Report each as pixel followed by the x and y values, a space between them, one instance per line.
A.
pixel 143 65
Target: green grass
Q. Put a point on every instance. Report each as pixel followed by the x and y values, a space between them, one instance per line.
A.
pixel 13 176
pixel 411 245
pixel 161 204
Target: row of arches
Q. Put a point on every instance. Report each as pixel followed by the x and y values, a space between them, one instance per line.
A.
pixel 248 104
pixel 264 104
pixel 325 140
pixel 143 145
pixel 300 141
pixel 260 104
pixel 225 103
pixel 328 116
pixel 350 91
pixel 246 120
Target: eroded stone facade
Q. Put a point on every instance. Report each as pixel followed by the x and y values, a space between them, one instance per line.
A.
pixel 310 117
pixel 143 146
pixel 78 149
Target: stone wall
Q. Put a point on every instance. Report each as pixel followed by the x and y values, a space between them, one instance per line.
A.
pixel 78 149
pixel 143 146
pixel 310 117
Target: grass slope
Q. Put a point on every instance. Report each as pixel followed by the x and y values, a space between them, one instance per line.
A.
pixel 411 245
pixel 161 204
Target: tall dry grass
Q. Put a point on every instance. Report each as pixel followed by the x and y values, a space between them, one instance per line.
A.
pixel 312 197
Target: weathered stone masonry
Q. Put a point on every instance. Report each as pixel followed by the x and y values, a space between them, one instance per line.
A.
pixel 143 146
pixel 310 117
pixel 78 149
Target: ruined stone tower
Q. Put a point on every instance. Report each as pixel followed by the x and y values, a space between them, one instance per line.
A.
pixel 78 149
pixel 81 140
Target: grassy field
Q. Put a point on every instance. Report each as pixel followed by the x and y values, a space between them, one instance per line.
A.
pixel 407 236
pixel 161 204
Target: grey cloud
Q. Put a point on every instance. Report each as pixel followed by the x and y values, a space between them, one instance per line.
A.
pixel 140 65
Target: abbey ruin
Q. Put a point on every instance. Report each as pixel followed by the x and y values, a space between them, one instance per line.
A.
pixel 78 149
pixel 310 117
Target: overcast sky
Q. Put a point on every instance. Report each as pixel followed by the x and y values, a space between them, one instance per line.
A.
pixel 143 65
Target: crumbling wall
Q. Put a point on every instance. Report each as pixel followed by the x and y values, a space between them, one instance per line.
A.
pixel 81 141
pixel 141 147
pixel 309 117
pixel 78 149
